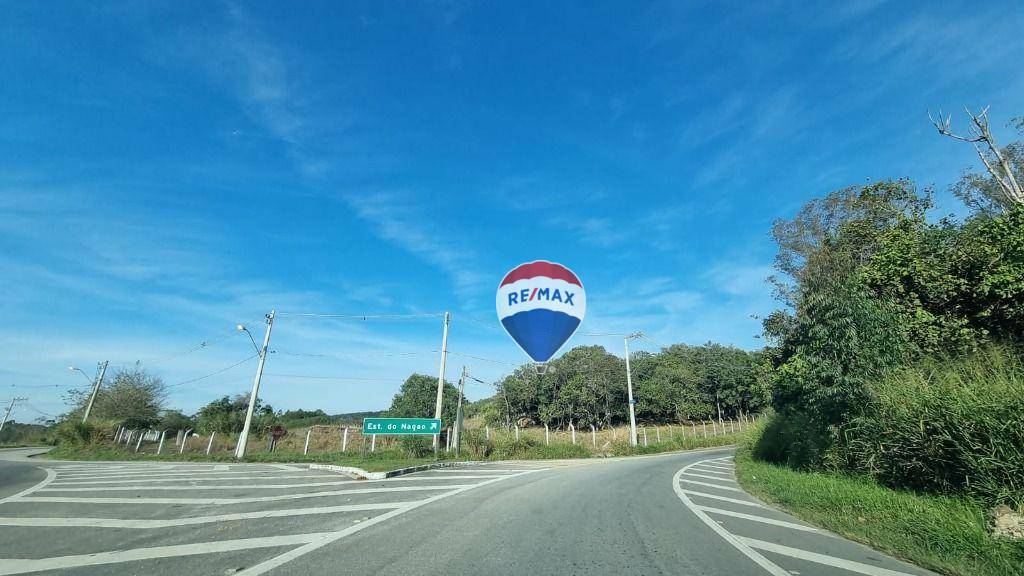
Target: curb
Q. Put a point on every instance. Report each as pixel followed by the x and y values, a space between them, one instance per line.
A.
pixel 363 474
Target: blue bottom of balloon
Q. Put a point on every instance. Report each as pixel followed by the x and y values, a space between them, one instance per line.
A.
pixel 540 332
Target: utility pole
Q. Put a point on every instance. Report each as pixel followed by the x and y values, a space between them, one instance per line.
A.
pixel 440 376
pixel 95 390
pixel 244 437
pixel 458 414
pixel 8 412
pixel 629 389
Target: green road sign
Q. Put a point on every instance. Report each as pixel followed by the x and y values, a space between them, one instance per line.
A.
pixel 401 426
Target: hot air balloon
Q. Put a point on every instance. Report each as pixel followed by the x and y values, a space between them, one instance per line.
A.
pixel 541 304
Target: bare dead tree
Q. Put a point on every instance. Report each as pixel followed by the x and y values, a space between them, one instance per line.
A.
pixel 985 145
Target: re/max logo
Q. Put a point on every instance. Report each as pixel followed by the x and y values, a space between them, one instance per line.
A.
pixel 526 295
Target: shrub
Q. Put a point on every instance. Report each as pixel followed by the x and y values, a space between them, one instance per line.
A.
pixel 76 433
pixel 954 425
pixel 793 438
pixel 416 446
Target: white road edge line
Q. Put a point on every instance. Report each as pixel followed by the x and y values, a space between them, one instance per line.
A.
pixel 722 498
pixel 186 487
pixel 745 549
pixel 189 521
pixel 290 555
pixel 50 475
pixel 762 519
pixel 709 484
pixel 245 500
pixel 190 480
pixel 821 558
pixel 717 471
pixel 22 566
pixel 708 477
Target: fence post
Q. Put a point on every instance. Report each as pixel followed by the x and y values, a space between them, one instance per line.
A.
pixel 573 430
pixel 645 435
pixel 732 426
pixel 704 425
pixel 184 441
pixel 487 432
pixel 139 443
pixel 593 435
pixel 517 432
pixel 160 447
pixel 657 434
pixel 447 439
pixel 547 438
pixel 344 439
pixel 373 442
pixel 210 443
pixel 305 449
pixel 714 428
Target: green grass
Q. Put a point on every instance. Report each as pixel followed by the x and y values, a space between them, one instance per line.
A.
pixel 371 462
pixel 945 534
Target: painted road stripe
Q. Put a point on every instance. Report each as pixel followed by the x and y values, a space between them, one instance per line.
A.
pixel 50 475
pixel 224 501
pixel 183 487
pixel 762 519
pixel 290 555
pixel 721 473
pixel 716 486
pixel 168 523
pixel 772 568
pixel 825 559
pixel 708 477
pixel 161 474
pixel 722 498
pixel 495 470
pixel 22 566
pixel 713 464
pixel 206 479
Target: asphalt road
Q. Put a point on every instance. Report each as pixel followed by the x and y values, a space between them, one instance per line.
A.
pixel 669 514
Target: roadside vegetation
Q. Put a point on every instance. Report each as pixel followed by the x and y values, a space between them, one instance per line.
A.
pixel 896 369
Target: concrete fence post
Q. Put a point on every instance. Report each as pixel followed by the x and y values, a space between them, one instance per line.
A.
pixel 305 449
pixel 517 432
pixel 344 439
pixel 714 428
pixel 184 441
pixel 373 443
pixel 657 434
pixel 160 447
pixel 593 435
pixel 210 443
pixel 139 443
pixel 547 435
pixel 573 430
pixel 645 435
pixel 732 426
pixel 487 432
pixel 704 425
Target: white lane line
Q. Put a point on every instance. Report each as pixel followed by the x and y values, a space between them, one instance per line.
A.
pixel 290 555
pixel 746 550
pixel 168 523
pixel 288 468
pixel 708 477
pixel 722 498
pixel 761 519
pixel 162 474
pixel 244 500
pixel 495 470
pixel 184 487
pixel 825 559
pixel 22 566
pixel 204 479
pixel 715 486
pixel 714 464
pixel 50 475
pixel 721 473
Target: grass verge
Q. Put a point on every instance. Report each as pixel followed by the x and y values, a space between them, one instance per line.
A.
pixel 944 534
pixel 371 462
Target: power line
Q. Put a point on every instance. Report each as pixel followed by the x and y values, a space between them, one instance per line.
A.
pixel 481 358
pixel 221 371
pixel 312 377
pixel 363 316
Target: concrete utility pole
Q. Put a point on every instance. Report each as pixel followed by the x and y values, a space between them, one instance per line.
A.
pixel 244 437
pixel 440 376
pixel 8 412
pixel 95 390
pixel 458 413
pixel 629 389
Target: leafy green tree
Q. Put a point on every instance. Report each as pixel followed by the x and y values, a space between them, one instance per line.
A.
pixel 174 420
pixel 227 416
pixel 132 397
pixel 418 399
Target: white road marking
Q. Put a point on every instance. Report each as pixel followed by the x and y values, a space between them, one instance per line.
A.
pixel 185 487
pixel 708 477
pixel 50 475
pixel 762 519
pixel 722 498
pixel 746 550
pixel 721 473
pixel 287 467
pixel 719 465
pixel 179 480
pixel 224 501
pixel 129 523
pixel 716 486
pixel 825 559
pixel 268 565
pixel 22 566
pixel 495 470
pixel 161 474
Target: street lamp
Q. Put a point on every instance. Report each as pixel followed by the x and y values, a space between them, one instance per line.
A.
pixel 242 328
pixel 74 369
pixel 95 387
pixel 629 388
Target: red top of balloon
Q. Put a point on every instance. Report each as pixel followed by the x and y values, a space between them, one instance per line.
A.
pixel 541 268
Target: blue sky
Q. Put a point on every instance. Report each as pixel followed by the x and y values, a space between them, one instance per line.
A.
pixel 167 171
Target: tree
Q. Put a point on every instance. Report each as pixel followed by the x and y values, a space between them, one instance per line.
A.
pixel 134 398
pixel 1001 188
pixel 418 399
pixel 174 420
pixel 227 416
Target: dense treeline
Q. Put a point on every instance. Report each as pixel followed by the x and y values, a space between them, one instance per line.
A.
pixel 898 353
pixel 587 386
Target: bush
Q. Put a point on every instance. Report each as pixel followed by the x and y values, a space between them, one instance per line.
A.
pixel 793 438
pixel 416 446
pixel 527 448
pixel 947 426
pixel 76 433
